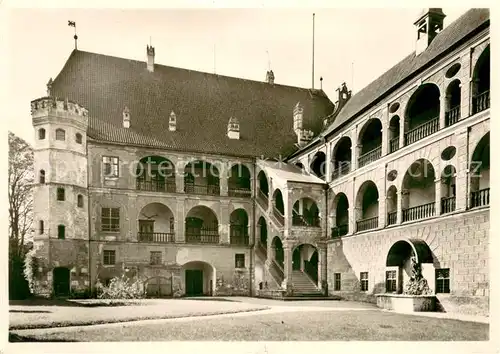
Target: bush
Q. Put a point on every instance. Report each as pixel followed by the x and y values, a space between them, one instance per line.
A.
pixel 121 288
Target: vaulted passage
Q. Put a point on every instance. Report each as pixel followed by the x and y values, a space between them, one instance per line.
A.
pixel 199 278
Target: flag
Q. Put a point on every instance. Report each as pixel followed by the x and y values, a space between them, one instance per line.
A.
pixel 71 23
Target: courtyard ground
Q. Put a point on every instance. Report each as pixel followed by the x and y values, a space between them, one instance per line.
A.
pixel 234 319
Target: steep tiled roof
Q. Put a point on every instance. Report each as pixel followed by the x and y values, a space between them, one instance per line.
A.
pixel 202 102
pixel 395 76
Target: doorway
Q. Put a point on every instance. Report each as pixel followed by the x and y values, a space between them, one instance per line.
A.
pixel 296 259
pixel 194 282
pixel 61 281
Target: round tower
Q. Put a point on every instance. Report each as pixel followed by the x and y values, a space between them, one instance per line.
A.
pixel 60 196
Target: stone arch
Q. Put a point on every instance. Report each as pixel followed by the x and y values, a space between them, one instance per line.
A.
pixel 403 248
pixel 278 201
pixel 202 177
pixel 418 189
pixel 239 180
pixel 341 219
pixel 198 278
pixel 367 206
pixel 279 253
pixel 238 228
pixel 392 204
pixel 155 173
pixel 201 225
pixel 262 230
pixel 481 78
pixel 453 102
pixel 318 164
pixel 305 212
pixel 448 189
pixel 263 183
pixel 422 113
pixel 394 132
pixel 480 173
pixel 370 142
pixel 305 258
pixel 342 157
pixel 156 223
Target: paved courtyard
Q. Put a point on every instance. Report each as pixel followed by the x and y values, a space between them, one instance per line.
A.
pixel 231 319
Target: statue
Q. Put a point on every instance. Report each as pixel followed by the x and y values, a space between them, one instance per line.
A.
pixel 417 285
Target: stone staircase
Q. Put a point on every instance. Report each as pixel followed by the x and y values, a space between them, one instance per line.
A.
pixel 303 285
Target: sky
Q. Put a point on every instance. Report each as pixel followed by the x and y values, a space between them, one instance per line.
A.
pixel 351 45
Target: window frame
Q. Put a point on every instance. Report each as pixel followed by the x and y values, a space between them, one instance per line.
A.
pixel 107 256
pixel 61 194
pixel 393 281
pixel 61 232
pixel 363 281
pixel 155 257
pixel 108 227
pixel 113 162
pixel 239 260
pixel 337 281
pixel 444 281
pixel 42 134
pixel 79 138
pixel 60 131
pixel 79 201
pixel 41 177
pixel 41 227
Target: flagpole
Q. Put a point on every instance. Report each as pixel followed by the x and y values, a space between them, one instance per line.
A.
pixel 313 55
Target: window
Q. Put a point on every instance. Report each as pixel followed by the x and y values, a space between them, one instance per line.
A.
pixel 443 280
pixel 110 219
pixel 40 227
pixel 60 194
pixel 363 276
pixel 60 134
pixel 155 257
pixel 110 166
pixel 109 257
pixel 239 260
pixel 42 176
pixel 336 285
pixel 41 134
pixel 61 232
pixel 78 138
pixel 390 281
pixel 80 201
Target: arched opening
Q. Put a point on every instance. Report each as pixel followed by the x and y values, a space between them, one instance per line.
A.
pixel 418 197
pixel 158 287
pixel 305 262
pixel 41 134
pixel 305 213
pixel 201 177
pixel 156 224
pixel 318 164
pixel 399 263
pixel 481 83
pixel 279 253
pixel 61 281
pixel 392 205
pixel 279 206
pixel 394 125
pixel 42 177
pixel 155 174
pixel 202 225
pixel 60 134
pixel 239 182
pixel 199 278
pixel 422 113
pixel 453 99
pixel 480 173
pixel 342 158
pixel 370 142
pixel 448 189
pixel 263 232
pixel 341 205
pixel 367 207
pixel 263 191
pixel 239 227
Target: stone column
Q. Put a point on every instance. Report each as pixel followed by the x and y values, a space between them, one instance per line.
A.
pixel 224 222
pixel 402 131
pixel 464 101
pixel 270 196
pixel 403 203
pixel 328 171
pixel 287 271
pixel 385 141
pixel 442 110
pixel 322 266
pixel 462 180
pixel 179 181
pixel 359 148
pixel 382 210
pixel 223 179
pixel 438 185
pixel 180 221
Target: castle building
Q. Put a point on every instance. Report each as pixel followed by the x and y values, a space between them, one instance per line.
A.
pixel 199 183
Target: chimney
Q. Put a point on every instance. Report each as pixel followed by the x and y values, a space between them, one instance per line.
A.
pixel 428 24
pixel 298 112
pixel 233 128
pixel 270 77
pixel 151 58
pixel 126 117
pixel 172 122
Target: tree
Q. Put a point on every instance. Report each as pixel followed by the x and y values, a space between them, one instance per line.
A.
pixel 20 179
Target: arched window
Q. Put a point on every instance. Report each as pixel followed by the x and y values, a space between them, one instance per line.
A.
pixel 40 227
pixel 60 194
pixel 41 134
pixel 61 232
pixel 42 176
pixel 60 134
pixel 78 138
pixel 80 201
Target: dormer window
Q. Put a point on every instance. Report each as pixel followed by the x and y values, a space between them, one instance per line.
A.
pixel 233 128
pixel 422 29
pixel 172 122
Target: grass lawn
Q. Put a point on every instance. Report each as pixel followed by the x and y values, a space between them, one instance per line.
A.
pixel 314 325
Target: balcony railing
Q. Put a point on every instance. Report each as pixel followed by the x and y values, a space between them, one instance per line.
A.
pixel 340 230
pixel 343 169
pixel 481 102
pixel 239 240
pixel 263 199
pixel 394 144
pixel 156 237
pixel 419 212
pixel 207 189
pixel 480 198
pixel 301 220
pixel 392 218
pixel 370 156
pixel 452 116
pixel 202 235
pixel 367 224
pixel 239 192
pixel 238 234
pixel 448 205
pixel 279 216
pixel 165 186
pixel 422 131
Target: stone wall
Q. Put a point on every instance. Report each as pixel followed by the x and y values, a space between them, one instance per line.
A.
pixel 458 242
